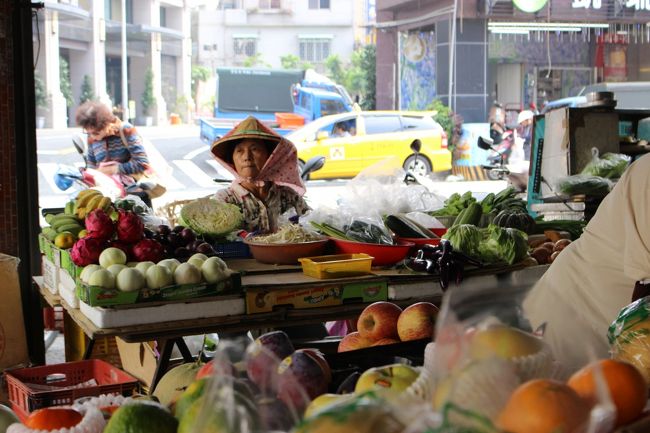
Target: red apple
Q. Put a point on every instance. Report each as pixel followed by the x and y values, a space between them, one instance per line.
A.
pixel 385 341
pixel 417 321
pixel 379 320
pixel 263 357
pixel 319 357
pixel 353 341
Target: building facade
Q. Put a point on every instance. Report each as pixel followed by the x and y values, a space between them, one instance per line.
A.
pixel 524 53
pixel 83 39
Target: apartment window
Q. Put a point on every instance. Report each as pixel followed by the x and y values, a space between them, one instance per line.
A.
pixel 245 46
pixel 270 4
pixel 314 50
pixel 319 4
pixel 163 17
pixel 113 10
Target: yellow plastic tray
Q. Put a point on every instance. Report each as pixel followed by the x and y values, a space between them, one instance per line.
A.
pixel 336 266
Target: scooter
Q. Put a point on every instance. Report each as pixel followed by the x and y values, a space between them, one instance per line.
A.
pixel 498 169
pixel 86 177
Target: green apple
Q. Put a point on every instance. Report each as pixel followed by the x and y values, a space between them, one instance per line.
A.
pixel 394 377
pixel 324 401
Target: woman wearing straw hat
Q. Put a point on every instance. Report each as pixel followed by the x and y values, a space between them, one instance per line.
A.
pixel 267 181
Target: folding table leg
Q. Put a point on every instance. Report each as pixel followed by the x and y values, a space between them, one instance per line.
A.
pixel 163 363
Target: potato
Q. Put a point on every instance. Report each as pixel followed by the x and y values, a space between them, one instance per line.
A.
pixel 553 256
pixel 561 244
pixel 537 242
pixel 553 235
pixel 541 254
pixel 549 246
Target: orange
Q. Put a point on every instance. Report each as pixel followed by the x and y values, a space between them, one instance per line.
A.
pixel 53 418
pixel 543 406
pixel 626 385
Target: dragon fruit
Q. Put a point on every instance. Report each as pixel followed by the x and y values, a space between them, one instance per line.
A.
pixel 130 228
pixel 148 250
pixel 86 251
pixel 126 247
pixel 99 225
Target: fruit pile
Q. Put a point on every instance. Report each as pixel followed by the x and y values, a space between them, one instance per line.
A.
pixel 87 201
pixel 113 271
pixel 383 323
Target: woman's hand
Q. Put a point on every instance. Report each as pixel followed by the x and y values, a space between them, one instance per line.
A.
pixel 109 168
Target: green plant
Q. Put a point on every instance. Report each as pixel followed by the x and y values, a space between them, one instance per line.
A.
pixel 87 93
pixel 40 94
pixel 255 60
pixel 64 81
pixel 368 64
pixel 180 107
pixel 199 73
pixel 335 68
pixel 290 61
pixel 148 99
pixel 450 122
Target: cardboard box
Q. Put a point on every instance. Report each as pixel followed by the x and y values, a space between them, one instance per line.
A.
pixel 138 359
pixel 13 341
pixel 68 265
pixel 97 296
pixel 325 295
pixel 50 275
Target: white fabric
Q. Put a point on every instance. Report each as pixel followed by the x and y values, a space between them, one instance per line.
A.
pixel 592 279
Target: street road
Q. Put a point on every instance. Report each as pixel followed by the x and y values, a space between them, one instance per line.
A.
pixel 193 168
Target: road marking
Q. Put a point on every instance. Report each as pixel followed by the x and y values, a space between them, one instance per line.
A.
pixel 64 151
pixel 196 152
pixel 49 170
pixel 222 172
pixel 195 173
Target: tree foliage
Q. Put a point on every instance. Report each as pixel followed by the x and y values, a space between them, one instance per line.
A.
pixel 199 73
pixel 40 93
pixel 64 81
pixel 87 93
pixel 450 121
pixel 148 99
pixel 358 77
pixel 290 61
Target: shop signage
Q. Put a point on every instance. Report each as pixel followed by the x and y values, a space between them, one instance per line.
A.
pixel 639 5
pixel 530 6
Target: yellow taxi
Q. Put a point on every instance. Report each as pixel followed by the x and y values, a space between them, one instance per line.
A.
pixel 352 141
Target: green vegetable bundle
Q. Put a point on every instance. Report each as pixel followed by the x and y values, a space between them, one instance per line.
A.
pixel 588 185
pixel 493 244
pixel 609 166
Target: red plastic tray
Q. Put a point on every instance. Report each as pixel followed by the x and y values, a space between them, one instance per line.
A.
pixel 26 392
pixel 384 255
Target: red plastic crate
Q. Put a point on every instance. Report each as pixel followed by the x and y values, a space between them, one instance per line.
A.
pixel 289 120
pixel 26 396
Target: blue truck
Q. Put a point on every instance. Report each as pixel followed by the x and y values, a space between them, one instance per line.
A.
pixel 269 94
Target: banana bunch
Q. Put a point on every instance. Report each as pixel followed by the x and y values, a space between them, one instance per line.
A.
pixel 60 223
pixel 89 200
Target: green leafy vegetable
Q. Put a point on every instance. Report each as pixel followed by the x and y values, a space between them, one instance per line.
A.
pixel 464 238
pixel 212 217
pixel 500 244
pixel 588 185
pixel 610 166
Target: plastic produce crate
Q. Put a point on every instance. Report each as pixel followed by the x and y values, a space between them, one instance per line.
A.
pixel 29 387
pixel 232 250
pixel 289 120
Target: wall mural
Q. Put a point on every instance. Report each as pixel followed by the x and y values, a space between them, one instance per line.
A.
pixel 417 70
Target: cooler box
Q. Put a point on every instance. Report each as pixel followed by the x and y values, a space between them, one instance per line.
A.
pixel 289 120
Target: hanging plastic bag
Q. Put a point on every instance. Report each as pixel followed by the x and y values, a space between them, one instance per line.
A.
pixel 593 186
pixel 609 166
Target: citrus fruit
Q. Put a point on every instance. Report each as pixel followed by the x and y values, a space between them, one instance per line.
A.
pixel 53 418
pixel 625 383
pixel 543 406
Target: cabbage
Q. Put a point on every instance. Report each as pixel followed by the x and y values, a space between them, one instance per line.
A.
pixel 207 216
pixel 502 245
pixel 464 238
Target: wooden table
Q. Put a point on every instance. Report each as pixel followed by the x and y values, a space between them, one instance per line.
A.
pixel 414 287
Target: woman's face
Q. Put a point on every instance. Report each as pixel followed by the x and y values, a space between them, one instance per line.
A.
pixel 97 134
pixel 249 156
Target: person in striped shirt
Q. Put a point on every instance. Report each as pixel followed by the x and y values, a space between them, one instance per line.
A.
pixel 114 147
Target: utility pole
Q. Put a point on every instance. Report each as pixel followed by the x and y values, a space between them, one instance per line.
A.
pixel 125 97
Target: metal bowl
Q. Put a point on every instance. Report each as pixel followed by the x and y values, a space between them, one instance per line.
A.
pixel 285 254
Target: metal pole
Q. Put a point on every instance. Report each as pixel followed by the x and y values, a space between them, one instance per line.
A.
pixel 125 98
pixel 452 55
